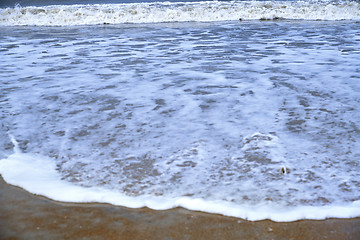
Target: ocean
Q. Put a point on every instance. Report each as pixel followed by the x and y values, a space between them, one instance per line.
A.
pixel 249 109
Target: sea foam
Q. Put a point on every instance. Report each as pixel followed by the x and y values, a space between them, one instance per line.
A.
pixel 178 12
pixel 202 115
pixel 38 175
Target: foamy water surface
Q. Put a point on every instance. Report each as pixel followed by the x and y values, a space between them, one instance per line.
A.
pixel 151 12
pixel 252 119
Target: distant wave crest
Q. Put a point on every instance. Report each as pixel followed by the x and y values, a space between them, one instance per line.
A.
pixel 61 15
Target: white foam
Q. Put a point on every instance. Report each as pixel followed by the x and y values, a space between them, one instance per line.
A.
pixel 178 12
pixel 38 175
pixel 200 115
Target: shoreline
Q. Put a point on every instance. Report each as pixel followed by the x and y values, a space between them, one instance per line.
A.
pixel 27 216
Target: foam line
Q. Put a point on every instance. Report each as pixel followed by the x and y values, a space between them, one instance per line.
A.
pixel 37 174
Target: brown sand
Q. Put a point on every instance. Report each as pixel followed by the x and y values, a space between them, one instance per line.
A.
pixel 26 216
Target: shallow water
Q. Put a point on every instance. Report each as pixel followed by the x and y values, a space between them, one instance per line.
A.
pixel 246 113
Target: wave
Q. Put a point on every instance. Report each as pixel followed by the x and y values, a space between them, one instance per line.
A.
pixel 18 170
pixel 64 15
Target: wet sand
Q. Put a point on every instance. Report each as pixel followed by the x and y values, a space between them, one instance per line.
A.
pixel 27 216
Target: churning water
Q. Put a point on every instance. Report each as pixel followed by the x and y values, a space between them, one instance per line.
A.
pixel 253 119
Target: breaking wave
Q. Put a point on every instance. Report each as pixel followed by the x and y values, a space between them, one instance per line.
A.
pixel 63 15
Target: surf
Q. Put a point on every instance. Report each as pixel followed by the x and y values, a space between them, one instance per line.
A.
pixel 64 15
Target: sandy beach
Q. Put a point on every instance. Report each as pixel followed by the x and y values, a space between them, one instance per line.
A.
pixel 27 216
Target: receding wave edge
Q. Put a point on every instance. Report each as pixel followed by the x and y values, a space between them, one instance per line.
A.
pixel 38 175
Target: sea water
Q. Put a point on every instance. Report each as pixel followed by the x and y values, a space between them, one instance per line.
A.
pixel 249 109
